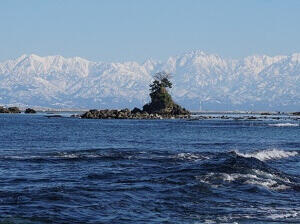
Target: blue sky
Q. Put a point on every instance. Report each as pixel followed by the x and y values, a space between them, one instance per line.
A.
pixel 124 30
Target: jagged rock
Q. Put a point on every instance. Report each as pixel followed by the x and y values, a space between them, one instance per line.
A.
pixel 4 110
pixel 123 114
pixel 265 113
pixel 126 110
pixel 296 113
pixel 30 111
pixel 10 110
pixel 136 110
pixel 161 101
pixel 14 110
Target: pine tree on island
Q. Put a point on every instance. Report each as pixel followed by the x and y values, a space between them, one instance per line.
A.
pixel 161 101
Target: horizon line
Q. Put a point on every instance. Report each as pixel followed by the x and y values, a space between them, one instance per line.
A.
pixel 151 58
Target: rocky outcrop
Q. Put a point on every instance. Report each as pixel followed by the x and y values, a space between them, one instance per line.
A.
pixel 3 110
pixel 171 110
pixel 163 104
pixel 126 114
pixel 30 111
pixel 10 110
pixel 136 110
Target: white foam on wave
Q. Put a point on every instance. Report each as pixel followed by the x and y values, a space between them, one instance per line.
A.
pixel 268 180
pixel 268 154
pixel 284 215
pixel 267 212
pixel 190 156
pixel 68 156
pixel 280 212
pixel 256 177
pixel 60 156
pixel 77 155
pixel 284 125
pixel 21 157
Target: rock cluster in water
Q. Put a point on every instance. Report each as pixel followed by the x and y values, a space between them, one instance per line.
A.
pixel 161 105
pixel 128 114
pixel 30 111
pixel 10 110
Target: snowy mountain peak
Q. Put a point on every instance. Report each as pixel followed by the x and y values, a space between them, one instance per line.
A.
pixel 256 82
pixel 295 57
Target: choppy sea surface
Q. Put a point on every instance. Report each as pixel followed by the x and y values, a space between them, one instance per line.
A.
pixel 68 170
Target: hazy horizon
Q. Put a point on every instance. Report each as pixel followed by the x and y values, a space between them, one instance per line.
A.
pixel 150 57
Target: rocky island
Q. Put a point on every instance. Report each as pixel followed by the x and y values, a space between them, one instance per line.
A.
pixel 9 110
pixel 15 110
pixel 161 106
pixel 29 111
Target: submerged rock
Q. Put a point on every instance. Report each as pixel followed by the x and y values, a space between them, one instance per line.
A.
pixel 265 113
pixel 54 116
pixel 30 111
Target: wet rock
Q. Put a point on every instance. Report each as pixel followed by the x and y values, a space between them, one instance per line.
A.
pixel 127 114
pixel 136 110
pixel 4 110
pixel 75 116
pixel 265 113
pixel 30 111
pixel 14 110
pixel 54 116
pixel 10 110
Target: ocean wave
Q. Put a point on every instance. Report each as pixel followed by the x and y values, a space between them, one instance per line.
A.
pixel 90 154
pixel 63 156
pixel 284 125
pixel 269 180
pixel 284 215
pixel 254 177
pixel 268 154
pixel 248 170
pixel 189 156
pixel 280 212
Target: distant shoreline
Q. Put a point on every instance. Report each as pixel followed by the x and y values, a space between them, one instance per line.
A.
pixel 57 110
pixel 192 112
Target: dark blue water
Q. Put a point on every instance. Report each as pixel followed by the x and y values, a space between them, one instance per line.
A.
pixel 67 170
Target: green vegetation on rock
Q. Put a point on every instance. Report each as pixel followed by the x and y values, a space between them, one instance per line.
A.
pixel 161 100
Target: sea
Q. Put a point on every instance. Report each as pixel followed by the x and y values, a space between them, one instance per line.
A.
pixel 71 170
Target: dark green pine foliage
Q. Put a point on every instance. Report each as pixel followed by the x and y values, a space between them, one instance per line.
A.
pixel 161 100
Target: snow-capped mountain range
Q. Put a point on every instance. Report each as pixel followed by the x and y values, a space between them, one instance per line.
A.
pixel 201 82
